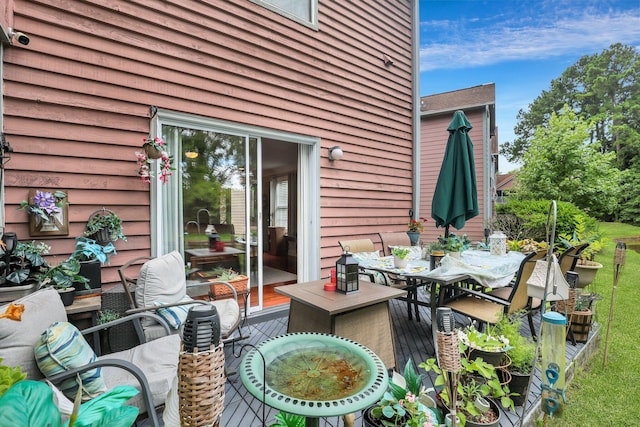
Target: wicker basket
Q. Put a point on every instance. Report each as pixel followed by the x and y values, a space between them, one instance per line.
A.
pixel 223 291
pixel 104 235
pixel 201 381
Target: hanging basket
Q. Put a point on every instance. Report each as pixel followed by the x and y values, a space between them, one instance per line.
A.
pixel 104 235
pixel 151 151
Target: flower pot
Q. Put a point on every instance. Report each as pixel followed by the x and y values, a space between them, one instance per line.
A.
pixel 414 237
pixel 586 272
pixel 400 262
pixel 11 293
pixel 518 384
pixel 151 151
pixel 494 358
pixel 67 295
pixel 580 324
pixel 492 416
pixel 92 271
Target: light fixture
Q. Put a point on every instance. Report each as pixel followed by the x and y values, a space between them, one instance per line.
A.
pixel 347 274
pixel 21 38
pixel 201 328
pixel 190 154
pixel 335 153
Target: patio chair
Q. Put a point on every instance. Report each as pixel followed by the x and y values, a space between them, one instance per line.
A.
pixel 364 248
pixel 150 367
pixel 569 258
pixel 489 307
pixel 161 286
pixel 393 238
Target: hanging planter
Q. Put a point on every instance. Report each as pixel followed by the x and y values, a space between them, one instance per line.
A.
pixel 104 226
pixel 154 149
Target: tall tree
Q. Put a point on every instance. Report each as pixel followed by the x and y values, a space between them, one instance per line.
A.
pixel 603 88
pixel 562 163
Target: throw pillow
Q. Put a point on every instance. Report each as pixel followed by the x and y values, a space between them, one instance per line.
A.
pixel 361 256
pixel 175 316
pixel 61 348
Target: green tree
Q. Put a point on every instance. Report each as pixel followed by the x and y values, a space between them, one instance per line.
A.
pixel 563 163
pixel 603 88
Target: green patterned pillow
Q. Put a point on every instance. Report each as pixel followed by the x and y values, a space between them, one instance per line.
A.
pixel 61 348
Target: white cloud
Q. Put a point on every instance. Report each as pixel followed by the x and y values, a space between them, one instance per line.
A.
pixel 449 44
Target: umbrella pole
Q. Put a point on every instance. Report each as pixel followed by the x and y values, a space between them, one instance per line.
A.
pixel 446 231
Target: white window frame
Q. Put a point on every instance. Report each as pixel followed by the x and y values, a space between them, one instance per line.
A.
pixel 312 22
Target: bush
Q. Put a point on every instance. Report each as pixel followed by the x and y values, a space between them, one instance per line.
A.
pixel 532 217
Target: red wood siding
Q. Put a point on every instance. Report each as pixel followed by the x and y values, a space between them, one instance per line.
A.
pixel 77 102
pixel 433 141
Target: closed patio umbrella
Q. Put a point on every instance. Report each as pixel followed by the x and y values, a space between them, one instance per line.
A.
pixel 455 199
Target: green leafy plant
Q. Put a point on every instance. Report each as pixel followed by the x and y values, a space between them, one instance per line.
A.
pixel 455 243
pixel 106 316
pixel 400 252
pixel 490 340
pixel 477 379
pixel 105 220
pixel 284 419
pixel 26 264
pixel 416 226
pixel 88 249
pixel 45 205
pixel 9 375
pixel 225 274
pixel 586 231
pixel 64 275
pixel 522 349
pixel 401 404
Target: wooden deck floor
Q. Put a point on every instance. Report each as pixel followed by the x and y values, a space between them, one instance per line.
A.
pixel 413 341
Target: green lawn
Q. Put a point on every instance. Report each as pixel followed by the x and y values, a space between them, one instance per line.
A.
pixel 610 396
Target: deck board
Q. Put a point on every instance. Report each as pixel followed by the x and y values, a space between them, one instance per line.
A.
pixel 413 341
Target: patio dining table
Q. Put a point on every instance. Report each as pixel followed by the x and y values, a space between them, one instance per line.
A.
pixel 474 266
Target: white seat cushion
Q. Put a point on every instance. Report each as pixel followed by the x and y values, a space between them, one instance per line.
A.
pixel 228 313
pixel 158 359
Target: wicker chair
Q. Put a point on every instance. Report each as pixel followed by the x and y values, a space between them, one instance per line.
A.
pixel 489 307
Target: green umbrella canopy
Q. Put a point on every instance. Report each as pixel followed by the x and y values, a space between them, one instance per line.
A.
pixel 455 199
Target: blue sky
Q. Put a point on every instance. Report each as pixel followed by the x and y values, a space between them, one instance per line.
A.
pixel 520 45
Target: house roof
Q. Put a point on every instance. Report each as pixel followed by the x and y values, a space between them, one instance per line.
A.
pixel 504 181
pixel 461 99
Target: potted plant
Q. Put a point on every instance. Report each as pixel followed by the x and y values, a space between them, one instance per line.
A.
pixel 455 244
pixel 581 317
pixel 154 149
pixel 20 270
pixel 489 345
pixel 405 403
pixel 586 231
pixel 521 355
pixel 91 255
pixel 400 254
pixel 235 279
pixel 106 316
pixel 415 228
pixel 65 278
pixel 104 226
pixel 478 387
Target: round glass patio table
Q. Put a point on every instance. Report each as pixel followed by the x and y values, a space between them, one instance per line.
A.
pixel 314 375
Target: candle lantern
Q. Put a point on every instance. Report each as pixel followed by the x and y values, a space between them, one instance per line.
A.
pixel 347 274
pixel 553 348
pixel 498 243
pixel 201 328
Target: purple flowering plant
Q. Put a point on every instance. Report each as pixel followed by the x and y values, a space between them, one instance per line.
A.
pixel 45 204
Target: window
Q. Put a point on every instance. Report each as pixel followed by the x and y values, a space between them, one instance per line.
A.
pixel 303 11
pixel 282 203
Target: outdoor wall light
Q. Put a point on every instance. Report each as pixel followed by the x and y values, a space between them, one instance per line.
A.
pixel 190 154
pixel 21 38
pixel 335 153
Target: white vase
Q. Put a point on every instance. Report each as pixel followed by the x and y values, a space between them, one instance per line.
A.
pixel 400 262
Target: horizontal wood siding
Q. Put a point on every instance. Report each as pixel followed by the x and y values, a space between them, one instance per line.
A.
pixel 78 97
pixel 433 141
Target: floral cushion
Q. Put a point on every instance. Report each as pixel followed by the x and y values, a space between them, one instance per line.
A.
pixel 376 276
pixel 361 256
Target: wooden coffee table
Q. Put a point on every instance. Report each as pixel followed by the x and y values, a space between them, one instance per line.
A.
pixel 363 316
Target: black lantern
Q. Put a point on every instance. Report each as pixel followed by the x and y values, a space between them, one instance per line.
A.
pixel 201 328
pixel 346 274
pixel 10 241
pixel 445 320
